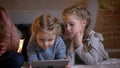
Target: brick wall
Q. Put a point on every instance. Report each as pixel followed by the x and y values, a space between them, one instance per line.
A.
pixel 108 23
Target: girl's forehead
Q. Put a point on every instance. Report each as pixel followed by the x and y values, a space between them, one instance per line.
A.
pixel 73 16
pixel 49 33
pixel 45 31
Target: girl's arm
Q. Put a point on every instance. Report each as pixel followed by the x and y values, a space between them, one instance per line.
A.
pixel 61 53
pixel 87 57
pixel 96 53
pixel 31 52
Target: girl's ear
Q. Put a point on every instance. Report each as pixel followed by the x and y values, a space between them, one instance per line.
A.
pixel 84 23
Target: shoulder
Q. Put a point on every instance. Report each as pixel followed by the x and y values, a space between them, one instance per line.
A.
pixel 59 41
pixel 93 34
pixel 59 38
pixel 31 42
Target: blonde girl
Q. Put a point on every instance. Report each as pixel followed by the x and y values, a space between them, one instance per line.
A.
pixel 84 43
pixel 45 42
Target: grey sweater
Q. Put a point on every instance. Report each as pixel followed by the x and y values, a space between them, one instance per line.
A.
pixel 95 55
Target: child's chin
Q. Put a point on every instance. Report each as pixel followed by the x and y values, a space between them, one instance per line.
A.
pixel 45 48
pixel 71 36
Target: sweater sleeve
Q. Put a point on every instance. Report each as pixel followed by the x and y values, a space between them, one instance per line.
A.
pixel 87 57
pixel 71 57
pixel 61 52
pixel 31 52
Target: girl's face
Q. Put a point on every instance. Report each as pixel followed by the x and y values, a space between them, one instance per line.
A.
pixel 45 40
pixel 73 25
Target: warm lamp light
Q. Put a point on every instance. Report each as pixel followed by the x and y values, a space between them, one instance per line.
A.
pixel 20 45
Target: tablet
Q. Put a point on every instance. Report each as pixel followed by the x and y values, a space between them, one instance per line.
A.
pixel 50 64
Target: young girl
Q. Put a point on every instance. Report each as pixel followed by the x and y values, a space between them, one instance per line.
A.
pixel 45 42
pixel 9 43
pixel 83 43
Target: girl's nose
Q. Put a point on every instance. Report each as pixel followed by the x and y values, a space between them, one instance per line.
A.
pixel 46 44
pixel 67 27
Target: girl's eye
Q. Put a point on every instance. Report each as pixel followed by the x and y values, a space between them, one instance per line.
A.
pixel 71 24
pixel 50 39
pixel 42 40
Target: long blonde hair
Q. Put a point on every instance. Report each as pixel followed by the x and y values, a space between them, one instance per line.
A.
pixel 45 23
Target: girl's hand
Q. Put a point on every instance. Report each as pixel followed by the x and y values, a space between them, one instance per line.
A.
pixel 30 66
pixel 68 66
pixel 78 39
